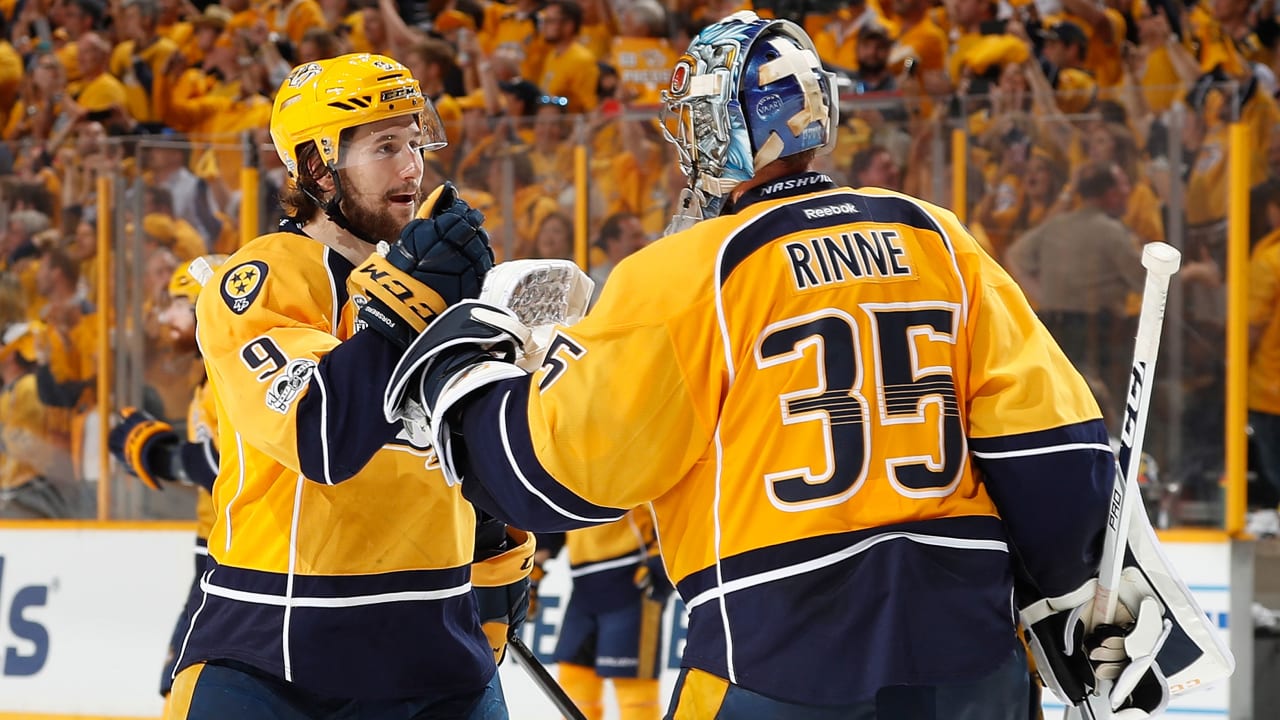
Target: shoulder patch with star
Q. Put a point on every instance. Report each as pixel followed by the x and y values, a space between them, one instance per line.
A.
pixel 241 285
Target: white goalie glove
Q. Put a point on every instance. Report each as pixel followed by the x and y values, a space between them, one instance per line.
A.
pixel 1160 643
pixel 542 294
pixel 1074 658
pixel 476 343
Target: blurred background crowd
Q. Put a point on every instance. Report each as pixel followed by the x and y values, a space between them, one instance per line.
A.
pixel 1066 133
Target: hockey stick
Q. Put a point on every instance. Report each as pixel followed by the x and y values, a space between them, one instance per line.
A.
pixel 1162 262
pixel 543 679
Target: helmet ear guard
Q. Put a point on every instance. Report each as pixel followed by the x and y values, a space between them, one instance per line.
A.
pixel 747 92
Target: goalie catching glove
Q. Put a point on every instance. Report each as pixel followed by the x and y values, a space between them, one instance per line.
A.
pixel 469 346
pixel 145 446
pixel 1072 661
pixel 438 260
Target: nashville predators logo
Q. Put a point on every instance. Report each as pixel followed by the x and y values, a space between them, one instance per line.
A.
pixel 240 286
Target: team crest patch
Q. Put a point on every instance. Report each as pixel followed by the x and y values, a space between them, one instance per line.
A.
pixel 241 286
pixel 302 74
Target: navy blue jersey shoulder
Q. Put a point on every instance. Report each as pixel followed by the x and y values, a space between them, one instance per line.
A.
pixel 338 429
pixel 340 269
pixel 817 214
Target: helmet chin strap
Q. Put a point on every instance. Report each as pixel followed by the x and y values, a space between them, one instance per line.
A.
pixel 333 208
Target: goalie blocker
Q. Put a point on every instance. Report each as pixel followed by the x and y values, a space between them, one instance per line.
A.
pixel 1172 648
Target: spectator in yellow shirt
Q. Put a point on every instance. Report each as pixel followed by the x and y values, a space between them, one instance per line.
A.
pixel 1264 358
pixel 569 70
pixel 79 18
pixel 141 56
pixel 99 90
pixel 26 453
pixel 293 18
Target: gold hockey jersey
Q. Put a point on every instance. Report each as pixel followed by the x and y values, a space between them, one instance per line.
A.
pixel 845 416
pixel 336 561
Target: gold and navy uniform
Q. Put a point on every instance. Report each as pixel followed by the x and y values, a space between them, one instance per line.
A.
pixel 847 419
pixel 336 562
pixel 200 462
pixel 608 624
pixel 603 559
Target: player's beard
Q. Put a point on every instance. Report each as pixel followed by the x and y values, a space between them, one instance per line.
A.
pixel 372 217
pixel 183 342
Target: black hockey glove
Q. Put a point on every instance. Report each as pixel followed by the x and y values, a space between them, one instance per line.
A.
pixel 651 578
pixel 438 261
pixel 145 446
pixel 500 581
pixel 448 251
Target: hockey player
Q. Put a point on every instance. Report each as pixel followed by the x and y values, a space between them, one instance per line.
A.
pixel 338 582
pixel 150 450
pixel 612 625
pixel 852 430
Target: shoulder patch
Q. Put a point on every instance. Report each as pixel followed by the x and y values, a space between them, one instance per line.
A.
pixel 241 285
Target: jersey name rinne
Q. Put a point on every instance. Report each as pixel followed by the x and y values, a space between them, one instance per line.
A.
pixel 858 254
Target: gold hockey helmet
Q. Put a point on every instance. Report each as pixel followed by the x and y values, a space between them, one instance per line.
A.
pixel 319 100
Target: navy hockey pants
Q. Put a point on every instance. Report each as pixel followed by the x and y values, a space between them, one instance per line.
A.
pixel 233 690
pixel 1004 694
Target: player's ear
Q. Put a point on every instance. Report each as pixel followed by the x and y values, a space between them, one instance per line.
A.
pixel 322 179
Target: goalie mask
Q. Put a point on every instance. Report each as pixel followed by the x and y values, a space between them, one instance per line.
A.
pixel 747 92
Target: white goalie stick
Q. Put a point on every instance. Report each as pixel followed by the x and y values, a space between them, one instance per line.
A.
pixel 1162 262
pixel 542 678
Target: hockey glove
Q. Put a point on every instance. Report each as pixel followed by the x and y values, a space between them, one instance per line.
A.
pixel 437 261
pixel 535 578
pixel 1072 661
pixel 470 345
pixel 651 578
pixel 501 586
pixel 1125 652
pixel 145 446
pixel 448 250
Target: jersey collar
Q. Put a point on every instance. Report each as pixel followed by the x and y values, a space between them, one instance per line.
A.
pixel 783 187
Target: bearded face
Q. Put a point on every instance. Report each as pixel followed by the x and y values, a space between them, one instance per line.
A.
pixel 379 216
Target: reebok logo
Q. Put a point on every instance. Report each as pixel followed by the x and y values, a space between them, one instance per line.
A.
pixel 829 210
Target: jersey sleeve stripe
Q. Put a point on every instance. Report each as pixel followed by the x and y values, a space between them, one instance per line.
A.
pixel 1029 452
pixel 338 434
pixel 518 488
pixel 1053 488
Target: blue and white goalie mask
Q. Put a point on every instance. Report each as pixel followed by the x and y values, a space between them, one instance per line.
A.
pixel 747 92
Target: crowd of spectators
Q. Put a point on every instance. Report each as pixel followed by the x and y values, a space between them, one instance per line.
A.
pixel 1091 128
